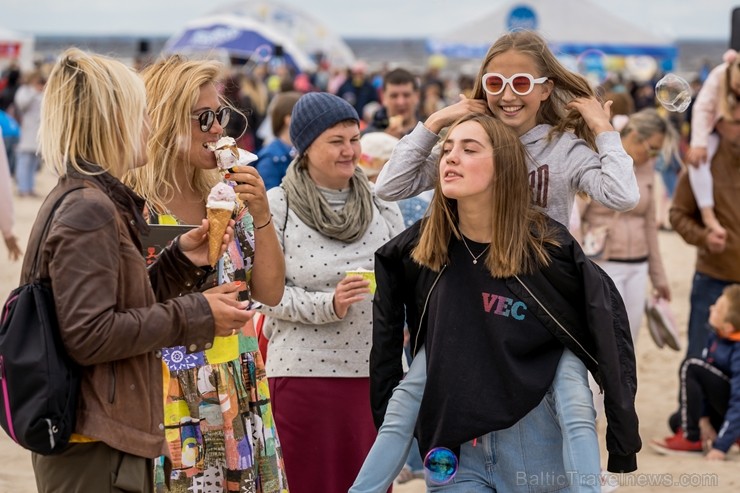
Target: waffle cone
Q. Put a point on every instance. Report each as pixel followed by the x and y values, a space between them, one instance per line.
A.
pixel 218 221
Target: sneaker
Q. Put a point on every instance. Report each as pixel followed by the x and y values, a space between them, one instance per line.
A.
pixel 676 445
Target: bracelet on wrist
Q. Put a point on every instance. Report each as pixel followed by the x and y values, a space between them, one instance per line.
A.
pixel 264 225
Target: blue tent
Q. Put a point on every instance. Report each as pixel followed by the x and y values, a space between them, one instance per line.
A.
pixel 240 37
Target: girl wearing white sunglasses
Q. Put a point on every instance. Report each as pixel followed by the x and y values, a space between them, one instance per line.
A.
pixel 572 147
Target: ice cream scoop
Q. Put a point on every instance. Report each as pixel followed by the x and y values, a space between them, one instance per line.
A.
pixel 229 155
pixel 219 207
pixel 221 196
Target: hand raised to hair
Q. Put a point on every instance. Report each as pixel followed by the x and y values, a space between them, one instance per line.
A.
pixel 448 115
pixel 596 116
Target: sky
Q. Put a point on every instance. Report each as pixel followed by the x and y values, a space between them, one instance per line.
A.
pixel 677 19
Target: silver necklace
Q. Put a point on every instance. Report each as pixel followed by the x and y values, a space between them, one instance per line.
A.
pixel 475 257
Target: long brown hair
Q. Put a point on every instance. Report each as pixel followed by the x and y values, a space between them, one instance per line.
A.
pixel 520 233
pixel 567 85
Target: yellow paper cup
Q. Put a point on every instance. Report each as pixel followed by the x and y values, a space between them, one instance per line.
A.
pixel 368 275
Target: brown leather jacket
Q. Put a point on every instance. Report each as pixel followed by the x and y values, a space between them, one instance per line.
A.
pixel 109 315
pixel 686 218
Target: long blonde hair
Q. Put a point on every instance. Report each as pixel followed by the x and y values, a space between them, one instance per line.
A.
pixel 520 233
pixel 173 88
pixel 567 85
pixel 92 111
pixel 648 122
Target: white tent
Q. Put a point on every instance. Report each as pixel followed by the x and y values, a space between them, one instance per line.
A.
pixel 307 33
pixel 571 27
pixel 16 46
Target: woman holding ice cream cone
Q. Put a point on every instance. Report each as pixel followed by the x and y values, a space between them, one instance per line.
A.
pixel 218 416
pixel 329 222
pixel 113 313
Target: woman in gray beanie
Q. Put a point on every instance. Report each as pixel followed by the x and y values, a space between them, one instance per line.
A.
pixel 329 221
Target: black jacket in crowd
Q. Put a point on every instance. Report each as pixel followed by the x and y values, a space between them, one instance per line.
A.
pixel 572 297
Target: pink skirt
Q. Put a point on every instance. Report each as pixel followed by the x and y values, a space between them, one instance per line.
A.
pixel 326 430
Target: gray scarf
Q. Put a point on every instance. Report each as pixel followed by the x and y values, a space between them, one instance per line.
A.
pixel 306 200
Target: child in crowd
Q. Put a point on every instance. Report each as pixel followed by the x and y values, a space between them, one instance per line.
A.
pixel 710 387
pixel 717 97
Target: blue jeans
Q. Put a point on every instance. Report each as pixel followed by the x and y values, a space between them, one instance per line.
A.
pixel 414 460
pixel 27 163
pixel 525 457
pixel 704 292
pixel 393 443
pixel 573 405
pixel 10 143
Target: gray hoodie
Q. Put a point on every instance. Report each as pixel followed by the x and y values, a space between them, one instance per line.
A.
pixel 558 168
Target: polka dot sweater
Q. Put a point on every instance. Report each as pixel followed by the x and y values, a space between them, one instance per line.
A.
pixel 307 339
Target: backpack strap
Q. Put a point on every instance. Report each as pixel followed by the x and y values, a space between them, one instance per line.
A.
pixel 45 231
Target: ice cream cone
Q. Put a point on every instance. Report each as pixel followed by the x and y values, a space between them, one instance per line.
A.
pixel 218 221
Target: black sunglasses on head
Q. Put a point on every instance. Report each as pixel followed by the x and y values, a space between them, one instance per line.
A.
pixel 206 119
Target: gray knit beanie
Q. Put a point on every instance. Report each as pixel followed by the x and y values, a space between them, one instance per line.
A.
pixel 314 113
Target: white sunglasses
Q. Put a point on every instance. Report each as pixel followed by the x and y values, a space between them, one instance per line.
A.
pixel 522 84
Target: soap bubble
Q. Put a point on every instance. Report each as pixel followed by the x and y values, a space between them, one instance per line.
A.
pixel 440 465
pixel 674 93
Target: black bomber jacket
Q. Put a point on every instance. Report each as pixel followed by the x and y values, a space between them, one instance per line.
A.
pixel 572 297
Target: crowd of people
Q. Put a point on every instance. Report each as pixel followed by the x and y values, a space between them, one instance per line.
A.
pixel 511 226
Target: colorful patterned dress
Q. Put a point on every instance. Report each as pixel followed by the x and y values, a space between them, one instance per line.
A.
pixel 218 417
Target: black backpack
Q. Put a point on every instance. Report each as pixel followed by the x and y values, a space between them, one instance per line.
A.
pixel 39 382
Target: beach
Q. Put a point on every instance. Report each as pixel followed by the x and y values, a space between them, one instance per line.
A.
pixel 657 371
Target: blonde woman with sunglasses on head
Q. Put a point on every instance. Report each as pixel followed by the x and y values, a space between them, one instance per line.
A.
pixel 218 419
pixel 571 147
pixel 631 254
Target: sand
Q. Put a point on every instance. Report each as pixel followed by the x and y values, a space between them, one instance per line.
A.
pixel 656 397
